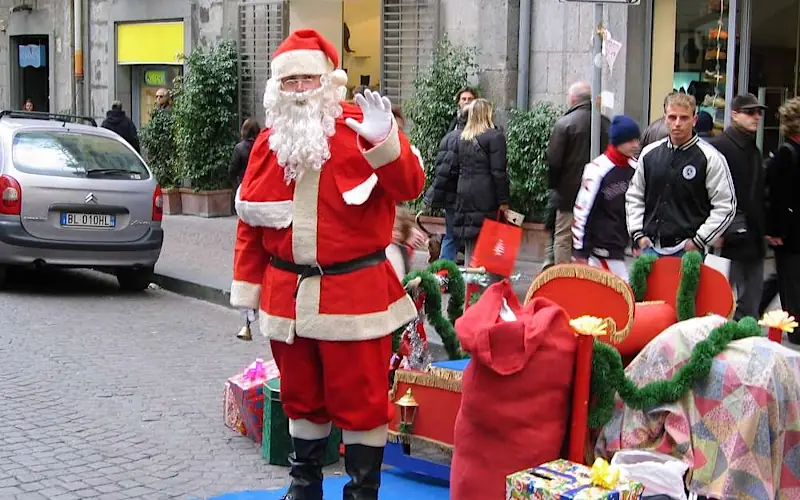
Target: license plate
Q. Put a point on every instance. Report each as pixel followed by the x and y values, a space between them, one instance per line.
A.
pixel 88 220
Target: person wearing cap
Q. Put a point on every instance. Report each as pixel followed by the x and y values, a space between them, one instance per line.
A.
pixel 316 210
pixel 681 197
pixel 599 234
pixel 705 125
pixel 744 241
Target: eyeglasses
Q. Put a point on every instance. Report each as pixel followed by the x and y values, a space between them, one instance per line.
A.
pixel 296 81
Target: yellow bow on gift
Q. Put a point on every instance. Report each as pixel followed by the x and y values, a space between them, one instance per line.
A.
pixel 604 475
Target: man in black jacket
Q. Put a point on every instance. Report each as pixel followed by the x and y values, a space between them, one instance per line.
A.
pixel 744 243
pixel 682 196
pixel 783 221
pixel 116 121
pixel 568 151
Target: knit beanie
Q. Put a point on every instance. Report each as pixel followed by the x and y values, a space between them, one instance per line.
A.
pixel 623 129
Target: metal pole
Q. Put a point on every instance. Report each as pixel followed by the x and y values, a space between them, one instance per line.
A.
pixel 597 79
pixel 524 54
pixel 730 69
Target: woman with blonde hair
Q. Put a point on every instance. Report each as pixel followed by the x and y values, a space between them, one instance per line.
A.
pixel 478 168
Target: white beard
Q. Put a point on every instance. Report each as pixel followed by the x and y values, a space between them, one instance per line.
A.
pixel 301 124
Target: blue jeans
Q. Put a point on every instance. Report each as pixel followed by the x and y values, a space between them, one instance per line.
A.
pixel 652 251
pixel 449 243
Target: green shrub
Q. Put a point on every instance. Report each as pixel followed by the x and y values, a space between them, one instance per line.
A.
pixel 205 112
pixel 528 133
pixel 433 105
pixel 158 141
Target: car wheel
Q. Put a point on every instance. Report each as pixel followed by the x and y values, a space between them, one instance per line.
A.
pixel 3 275
pixel 134 280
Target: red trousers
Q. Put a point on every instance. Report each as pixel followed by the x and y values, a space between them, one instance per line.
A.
pixel 333 381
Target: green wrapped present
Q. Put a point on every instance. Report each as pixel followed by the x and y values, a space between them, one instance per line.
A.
pixel 565 480
pixel 276 445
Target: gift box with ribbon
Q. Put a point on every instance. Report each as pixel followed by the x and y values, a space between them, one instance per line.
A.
pixel 247 396
pixel 565 480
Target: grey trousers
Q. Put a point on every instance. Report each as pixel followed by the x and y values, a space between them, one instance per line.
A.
pixel 747 279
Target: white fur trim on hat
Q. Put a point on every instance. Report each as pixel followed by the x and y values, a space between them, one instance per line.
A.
pixel 301 62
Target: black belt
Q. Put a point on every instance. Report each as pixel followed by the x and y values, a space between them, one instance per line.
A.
pixel 308 271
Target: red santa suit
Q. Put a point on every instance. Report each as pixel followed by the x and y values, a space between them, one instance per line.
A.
pixel 309 255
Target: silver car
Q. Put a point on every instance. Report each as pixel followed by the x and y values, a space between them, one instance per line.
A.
pixel 76 195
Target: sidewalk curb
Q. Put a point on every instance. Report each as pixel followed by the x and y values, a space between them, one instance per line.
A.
pixel 222 298
pixel 194 290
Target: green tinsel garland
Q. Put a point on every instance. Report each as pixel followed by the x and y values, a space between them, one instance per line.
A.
pixel 608 376
pixel 433 310
pixel 640 270
pixel 456 287
pixel 687 290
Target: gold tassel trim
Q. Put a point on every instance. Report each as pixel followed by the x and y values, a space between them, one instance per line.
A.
pixel 414 440
pixel 446 374
pixel 595 275
pixel 425 379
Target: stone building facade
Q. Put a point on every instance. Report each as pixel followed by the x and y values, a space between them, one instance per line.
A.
pixel 130 47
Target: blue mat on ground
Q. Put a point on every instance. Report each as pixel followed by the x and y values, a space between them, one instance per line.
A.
pixel 395 485
pixel 458 365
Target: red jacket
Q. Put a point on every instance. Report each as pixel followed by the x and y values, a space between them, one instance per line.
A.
pixel 341 213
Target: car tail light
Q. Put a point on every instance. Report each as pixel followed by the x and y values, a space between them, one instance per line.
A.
pixel 158 204
pixel 10 196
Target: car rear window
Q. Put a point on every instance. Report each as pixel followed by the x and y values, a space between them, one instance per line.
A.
pixel 69 154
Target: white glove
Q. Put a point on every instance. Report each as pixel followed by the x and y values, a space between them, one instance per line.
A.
pixel 378 117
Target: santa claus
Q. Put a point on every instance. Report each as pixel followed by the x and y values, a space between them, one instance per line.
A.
pixel 316 209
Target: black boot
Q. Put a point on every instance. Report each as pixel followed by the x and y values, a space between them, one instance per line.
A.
pixel 306 469
pixel 363 465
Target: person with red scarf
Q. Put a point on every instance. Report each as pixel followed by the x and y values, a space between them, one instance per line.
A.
pixel 599 231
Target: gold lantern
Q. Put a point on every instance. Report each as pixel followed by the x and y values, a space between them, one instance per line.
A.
pixel 408 412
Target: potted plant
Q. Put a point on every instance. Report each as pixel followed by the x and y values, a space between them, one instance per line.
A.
pixel 158 140
pixel 205 113
pixel 432 105
pixel 527 135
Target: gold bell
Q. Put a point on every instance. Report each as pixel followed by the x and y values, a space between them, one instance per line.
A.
pixel 245 333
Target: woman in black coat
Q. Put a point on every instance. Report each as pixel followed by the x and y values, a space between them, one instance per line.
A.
pixel 241 152
pixel 478 167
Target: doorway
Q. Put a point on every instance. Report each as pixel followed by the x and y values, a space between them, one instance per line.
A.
pixel 31 71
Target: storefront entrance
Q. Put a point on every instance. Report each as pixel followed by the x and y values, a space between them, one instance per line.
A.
pixel 715 49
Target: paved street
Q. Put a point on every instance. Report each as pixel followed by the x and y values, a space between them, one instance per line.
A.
pixel 111 395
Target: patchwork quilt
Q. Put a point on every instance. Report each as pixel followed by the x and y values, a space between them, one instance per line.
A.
pixel 739 430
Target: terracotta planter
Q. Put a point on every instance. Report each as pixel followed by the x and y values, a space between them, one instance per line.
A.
pixel 207 203
pixel 171 197
pixel 535 237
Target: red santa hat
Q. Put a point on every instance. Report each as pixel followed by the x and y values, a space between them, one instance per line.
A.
pixel 306 52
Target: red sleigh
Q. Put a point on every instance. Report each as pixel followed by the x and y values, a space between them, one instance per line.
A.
pixel 581 291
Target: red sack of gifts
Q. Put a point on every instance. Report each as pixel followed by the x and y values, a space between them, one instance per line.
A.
pixel 497 247
pixel 516 390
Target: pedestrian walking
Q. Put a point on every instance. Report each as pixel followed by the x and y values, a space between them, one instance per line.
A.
pixel 116 121
pixel 681 197
pixel 744 241
pixel 568 152
pixel 599 233
pixel 783 221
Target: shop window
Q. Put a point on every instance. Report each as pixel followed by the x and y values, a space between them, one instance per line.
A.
pixel 701 45
pixel 361 44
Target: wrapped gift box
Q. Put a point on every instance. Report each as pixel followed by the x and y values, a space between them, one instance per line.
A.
pixel 565 480
pixel 230 411
pixel 248 397
pixel 276 444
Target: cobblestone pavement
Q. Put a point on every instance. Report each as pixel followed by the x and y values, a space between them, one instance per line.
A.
pixel 111 395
